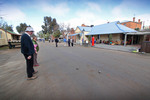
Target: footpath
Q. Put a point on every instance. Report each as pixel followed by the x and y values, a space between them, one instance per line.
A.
pixel 118 47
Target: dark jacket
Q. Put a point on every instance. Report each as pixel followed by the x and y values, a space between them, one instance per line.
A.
pixel 56 40
pixel 68 40
pixel 27 46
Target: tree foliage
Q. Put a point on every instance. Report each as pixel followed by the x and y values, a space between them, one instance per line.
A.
pixel 61 27
pixel 21 28
pixel 137 29
pixel 68 27
pixel 50 25
pixel 40 34
pixel 64 27
pixel 57 34
pixel 110 38
pixel 5 26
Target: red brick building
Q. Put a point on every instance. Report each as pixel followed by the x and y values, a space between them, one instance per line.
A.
pixel 72 32
pixel 133 24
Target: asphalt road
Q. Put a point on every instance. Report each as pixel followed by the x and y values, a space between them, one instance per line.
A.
pixel 75 73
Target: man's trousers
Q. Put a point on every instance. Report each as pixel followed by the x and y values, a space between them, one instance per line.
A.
pixel 29 63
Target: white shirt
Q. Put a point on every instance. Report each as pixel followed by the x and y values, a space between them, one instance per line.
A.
pixel 27 34
pixel 71 40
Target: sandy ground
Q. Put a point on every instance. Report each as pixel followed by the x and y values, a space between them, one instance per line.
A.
pixel 75 73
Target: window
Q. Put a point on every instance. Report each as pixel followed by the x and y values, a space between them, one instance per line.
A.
pixel 0 34
pixel 125 24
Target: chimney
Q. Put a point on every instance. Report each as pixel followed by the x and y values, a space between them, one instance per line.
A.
pixel 83 25
pixel 92 25
pixel 72 29
pixel 139 21
pixel 133 19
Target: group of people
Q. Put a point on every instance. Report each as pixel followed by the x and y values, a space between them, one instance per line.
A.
pixel 70 41
pixel 30 48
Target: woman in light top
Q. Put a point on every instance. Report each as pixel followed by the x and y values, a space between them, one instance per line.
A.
pixel 36 48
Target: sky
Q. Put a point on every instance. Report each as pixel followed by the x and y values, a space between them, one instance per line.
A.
pixel 73 12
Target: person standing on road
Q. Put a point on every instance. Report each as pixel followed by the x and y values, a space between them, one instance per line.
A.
pixel 36 48
pixel 56 41
pixel 27 49
pixel 49 40
pixel 69 42
pixel 43 40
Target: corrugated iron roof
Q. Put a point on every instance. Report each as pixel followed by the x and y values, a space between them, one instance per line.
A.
pixel 13 33
pixel 75 34
pixel 87 29
pixel 110 28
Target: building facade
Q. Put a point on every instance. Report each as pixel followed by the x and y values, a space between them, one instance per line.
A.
pixel 8 35
pixel 133 24
pixel 81 32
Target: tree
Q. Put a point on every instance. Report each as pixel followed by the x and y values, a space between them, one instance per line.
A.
pixel 57 34
pixel 50 25
pixel 62 27
pixel 9 27
pixel 89 38
pixel 110 38
pixel 46 26
pixel 21 28
pixel 5 26
pixel 55 26
pixel 68 28
pixel 40 34
pixel 137 29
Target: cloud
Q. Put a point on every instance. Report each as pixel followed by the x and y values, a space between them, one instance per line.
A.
pixel 94 6
pixel 130 8
pixel 12 13
pixel 90 15
pixel 85 17
pixel 117 11
pixel 145 18
pixel 60 9
pixel 126 8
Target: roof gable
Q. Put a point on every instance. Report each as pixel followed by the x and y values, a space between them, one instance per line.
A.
pixel 13 33
pixel 88 29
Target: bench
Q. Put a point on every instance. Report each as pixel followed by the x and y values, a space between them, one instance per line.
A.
pixel 14 44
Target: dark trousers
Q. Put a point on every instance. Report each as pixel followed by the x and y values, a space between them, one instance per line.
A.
pixel 69 44
pixel 72 44
pixel 29 63
pixel 56 44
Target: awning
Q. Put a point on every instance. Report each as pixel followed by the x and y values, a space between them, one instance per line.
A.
pixel 75 34
pixel 138 33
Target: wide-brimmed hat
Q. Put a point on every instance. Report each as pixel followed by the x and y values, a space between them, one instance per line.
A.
pixel 29 29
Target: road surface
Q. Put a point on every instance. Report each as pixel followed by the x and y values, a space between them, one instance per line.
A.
pixel 75 73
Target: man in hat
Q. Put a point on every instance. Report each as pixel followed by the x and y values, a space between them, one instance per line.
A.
pixel 27 49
